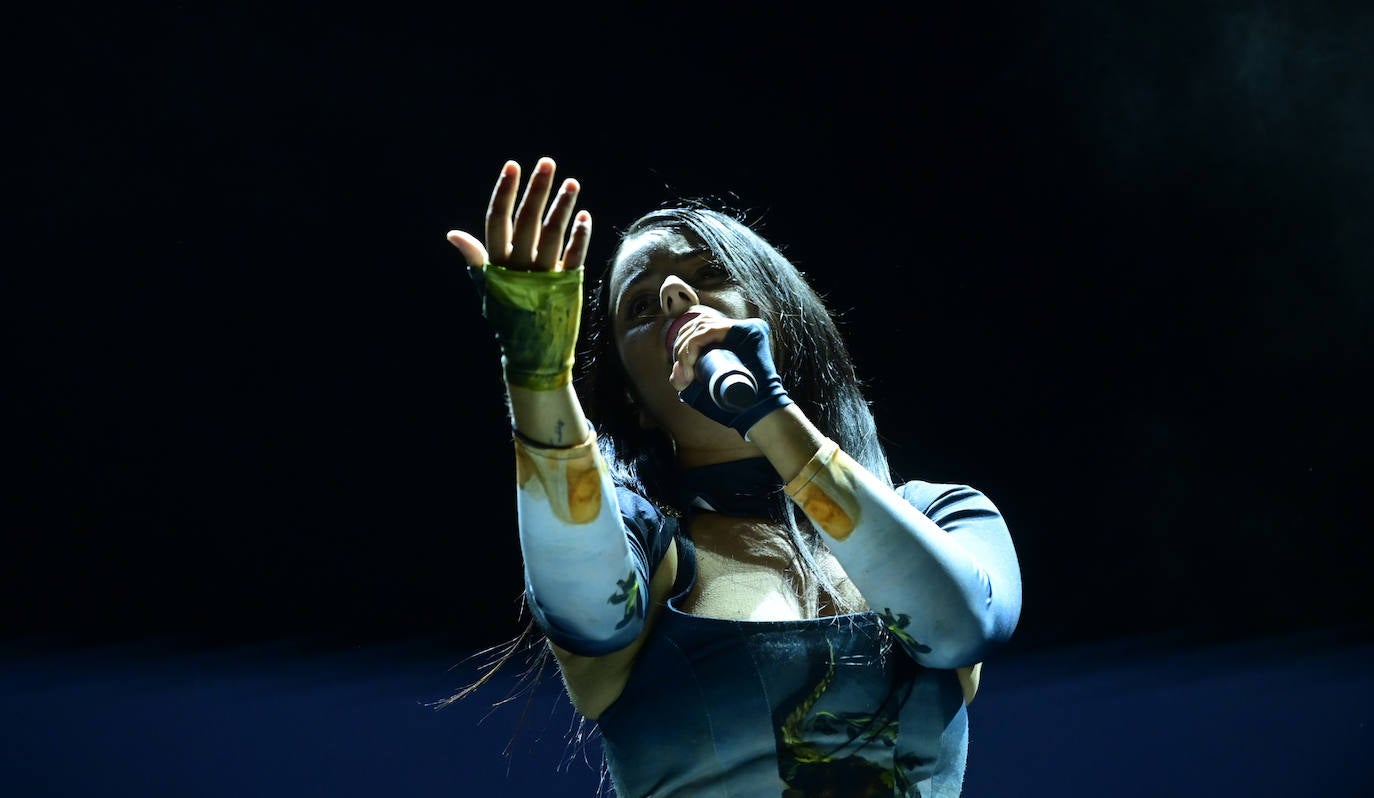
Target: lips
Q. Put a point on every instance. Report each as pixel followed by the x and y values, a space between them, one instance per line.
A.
pixel 670 336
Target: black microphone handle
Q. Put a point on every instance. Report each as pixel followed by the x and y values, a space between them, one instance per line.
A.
pixel 731 386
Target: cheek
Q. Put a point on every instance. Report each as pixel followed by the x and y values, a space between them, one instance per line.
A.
pixel 638 358
pixel 732 303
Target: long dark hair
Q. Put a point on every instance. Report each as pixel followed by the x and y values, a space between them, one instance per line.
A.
pixel 824 383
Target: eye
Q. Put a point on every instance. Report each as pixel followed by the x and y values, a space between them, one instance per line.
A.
pixel 640 305
pixel 711 271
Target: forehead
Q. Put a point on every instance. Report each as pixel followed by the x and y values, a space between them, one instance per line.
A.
pixel 649 251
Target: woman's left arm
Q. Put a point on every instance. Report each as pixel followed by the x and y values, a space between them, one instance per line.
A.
pixel 947 580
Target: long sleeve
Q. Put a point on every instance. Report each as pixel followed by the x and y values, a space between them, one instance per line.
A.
pixel 941 570
pixel 589 547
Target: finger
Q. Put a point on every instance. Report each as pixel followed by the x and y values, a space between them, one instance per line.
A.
pixel 555 225
pixel 678 377
pixel 696 337
pixel 473 252
pixel 701 331
pixel 531 211
pixel 575 256
pixel 499 210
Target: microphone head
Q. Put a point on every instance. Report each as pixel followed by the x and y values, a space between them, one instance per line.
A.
pixel 731 386
pixel 734 392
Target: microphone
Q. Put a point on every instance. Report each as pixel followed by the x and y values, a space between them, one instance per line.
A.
pixel 731 386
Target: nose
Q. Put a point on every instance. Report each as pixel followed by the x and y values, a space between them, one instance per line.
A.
pixel 675 296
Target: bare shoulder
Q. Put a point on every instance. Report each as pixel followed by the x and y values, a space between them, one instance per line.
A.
pixel 594 683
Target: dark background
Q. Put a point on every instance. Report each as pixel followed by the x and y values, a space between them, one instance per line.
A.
pixel 1110 265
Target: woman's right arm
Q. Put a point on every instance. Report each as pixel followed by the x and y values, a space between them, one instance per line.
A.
pixel 587 571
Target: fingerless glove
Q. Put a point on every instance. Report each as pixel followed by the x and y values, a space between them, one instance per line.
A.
pixel 535 315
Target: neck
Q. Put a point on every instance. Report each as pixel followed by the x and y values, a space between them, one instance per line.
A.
pixel 697 455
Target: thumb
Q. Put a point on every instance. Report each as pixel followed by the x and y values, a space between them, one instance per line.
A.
pixel 472 250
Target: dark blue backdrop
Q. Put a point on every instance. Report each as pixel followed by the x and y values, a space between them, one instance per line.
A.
pixel 1289 716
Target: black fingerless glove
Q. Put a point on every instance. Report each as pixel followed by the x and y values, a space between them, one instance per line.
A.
pixel 749 340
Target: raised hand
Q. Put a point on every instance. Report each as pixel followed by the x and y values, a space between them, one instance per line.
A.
pixel 526 238
pixel 529 281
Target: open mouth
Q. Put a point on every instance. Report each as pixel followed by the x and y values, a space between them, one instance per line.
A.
pixel 670 337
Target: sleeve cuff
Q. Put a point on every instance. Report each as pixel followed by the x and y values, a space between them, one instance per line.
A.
pixel 814 466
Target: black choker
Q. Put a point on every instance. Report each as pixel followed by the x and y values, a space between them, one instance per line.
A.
pixel 748 488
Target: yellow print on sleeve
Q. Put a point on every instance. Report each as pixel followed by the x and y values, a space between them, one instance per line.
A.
pixel 826 491
pixel 569 479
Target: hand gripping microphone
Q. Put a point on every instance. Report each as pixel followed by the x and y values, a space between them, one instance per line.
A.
pixel 731 386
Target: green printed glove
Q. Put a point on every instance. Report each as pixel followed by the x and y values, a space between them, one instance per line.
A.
pixel 535 315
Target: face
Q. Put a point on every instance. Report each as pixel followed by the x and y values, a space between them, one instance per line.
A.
pixel 658 276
